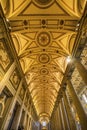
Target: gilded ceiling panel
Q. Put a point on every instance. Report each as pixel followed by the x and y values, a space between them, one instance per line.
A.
pixel 14 7
pixel 43 59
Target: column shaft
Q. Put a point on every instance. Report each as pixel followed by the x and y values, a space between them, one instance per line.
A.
pixel 62 125
pixel 56 120
pixel 66 121
pixel 82 70
pixel 28 123
pixel 62 117
pixel 16 119
pixel 11 107
pixel 81 113
pixel 69 112
pixel 24 120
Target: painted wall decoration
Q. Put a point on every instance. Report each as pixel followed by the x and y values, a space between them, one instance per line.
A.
pixel 4 56
pixel 2 106
pixel 15 79
pixel 22 92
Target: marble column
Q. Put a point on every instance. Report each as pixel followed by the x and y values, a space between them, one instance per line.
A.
pixel 6 110
pixel 16 119
pixel 24 113
pixel 11 108
pixel 81 113
pixel 56 120
pixel 59 122
pixel 81 69
pixel 23 119
pixel 28 123
pixel 66 121
pixel 30 128
pixel 62 117
pixel 69 112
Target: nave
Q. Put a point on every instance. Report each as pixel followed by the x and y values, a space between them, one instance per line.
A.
pixel 43 65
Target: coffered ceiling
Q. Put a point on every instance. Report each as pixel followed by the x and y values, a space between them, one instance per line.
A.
pixel 43 32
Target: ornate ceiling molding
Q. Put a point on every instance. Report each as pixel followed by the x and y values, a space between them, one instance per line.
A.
pixel 70 6
pixel 14 8
pixel 43 3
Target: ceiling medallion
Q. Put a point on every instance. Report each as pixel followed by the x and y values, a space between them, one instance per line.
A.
pixel 44 58
pixel 44 71
pixel 43 39
pixel 43 3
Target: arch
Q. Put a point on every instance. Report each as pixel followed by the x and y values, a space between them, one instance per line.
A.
pixel 14 8
pixel 72 6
